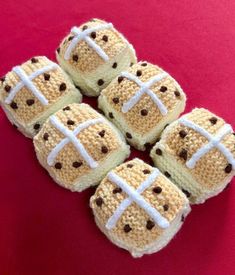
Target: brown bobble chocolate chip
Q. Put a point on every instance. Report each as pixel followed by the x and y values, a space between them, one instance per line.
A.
pixel 70 38
pixel 58 50
pixel 131 64
pixel 34 60
pixel 111 115
pixel 30 102
pixel 84 27
pixel 182 218
pixel 117 190
pixel 77 164
pixel 105 38
pixel 114 65
pixel 36 126
pixel 100 82
pixel 165 207
pixel 213 120
pixel 75 57
pixel 102 133
pixel 144 112
pixel 157 189
pixel 14 105
pixel 129 165
pixel 93 35
pixel 128 135
pixel 104 149
pixel 228 168
pixel 144 64
pixel 138 73
pixel 46 76
pixel 146 171
pixel 168 175
pixel 62 87
pixel 58 165
pixel 2 79
pixel 127 228
pixel 116 100
pixel 182 133
pixel 163 89
pixel 186 192
pixel 7 88
pixel 99 201
pixel 158 151
pixel 183 154
pixel 150 224
pixel 67 108
pixel 177 93
pixel 45 136
pixel 120 79
pixel 70 122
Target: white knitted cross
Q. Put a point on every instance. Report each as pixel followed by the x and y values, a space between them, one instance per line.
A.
pixel 84 35
pixel 71 136
pixel 144 88
pixel 26 80
pixel 213 142
pixel 135 196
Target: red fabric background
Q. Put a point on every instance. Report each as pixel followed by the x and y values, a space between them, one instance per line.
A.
pixel 45 229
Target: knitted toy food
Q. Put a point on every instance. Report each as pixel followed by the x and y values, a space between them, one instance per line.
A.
pixel 30 93
pixel 198 153
pixel 138 208
pixel 141 102
pixel 78 147
pixel 94 54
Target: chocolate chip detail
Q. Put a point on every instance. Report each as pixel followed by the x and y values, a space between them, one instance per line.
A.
pixel 58 50
pixel 177 93
pixel 75 57
pixel 157 189
pixel 150 224
pixel 102 133
pixel 111 115
pixel 58 165
pixel 131 64
pixel 186 192
pixel 46 76
pixel 228 168
pixel 34 60
pixel 182 133
pixel 127 228
pixel 128 135
pixel 84 27
pixel 100 82
pixel 138 73
pixel 77 164
pixel 163 89
pixel 116 100
pixel 182 218
pixel 146 171
pixel 144 64
pixel 45 136
pixel 30 102
pixel 183 154
pixel 99 201
pixel 14 105
pixel 62 87
pixel 117 190
pixel 67 108
pixel 70 122
pixel 144 112
pixel 168 175
pixel 120 79
pixel 114 65
pixel 165 207
pixel 70 38
pixel 213 120
pixel 105 38
pixel 158 151
pixel 36 126
pixel 93 35
pixel 3 79
pixel 7 88
pixel 104 149
pixel 129 165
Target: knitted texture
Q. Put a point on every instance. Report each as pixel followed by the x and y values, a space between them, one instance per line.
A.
pixel 135 227
pixel 99 140
pixel 145 115
pixel 52 85
pixel 179 143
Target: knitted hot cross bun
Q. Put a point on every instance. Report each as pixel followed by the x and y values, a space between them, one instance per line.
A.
pixel 78 146
pixel 138 208
pixel 141 102
pixel 31 92
pixel 94 54
pixel 198 153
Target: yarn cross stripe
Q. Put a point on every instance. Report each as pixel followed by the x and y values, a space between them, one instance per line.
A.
pixel 213 142
pixel 144 89
pixel 83 35
pixel 26 80
pixel 135 196
pixel 71 136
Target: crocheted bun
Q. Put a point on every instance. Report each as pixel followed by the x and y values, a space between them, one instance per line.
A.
pixel 197 152
pixel 78 147
pixel 141 102
pixel 30 93
pixel 94 54
pixel 138 208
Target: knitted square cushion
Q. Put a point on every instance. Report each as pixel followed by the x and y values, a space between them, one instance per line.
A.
pixel 33 91
pixel 138 208
pixel 78 146
pixel 94 54
pixel 197 152
pixel 141 102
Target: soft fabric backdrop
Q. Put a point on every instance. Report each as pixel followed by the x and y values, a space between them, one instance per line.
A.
pixel 45 229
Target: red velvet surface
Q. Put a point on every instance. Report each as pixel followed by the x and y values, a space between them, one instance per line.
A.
pixel 45 229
